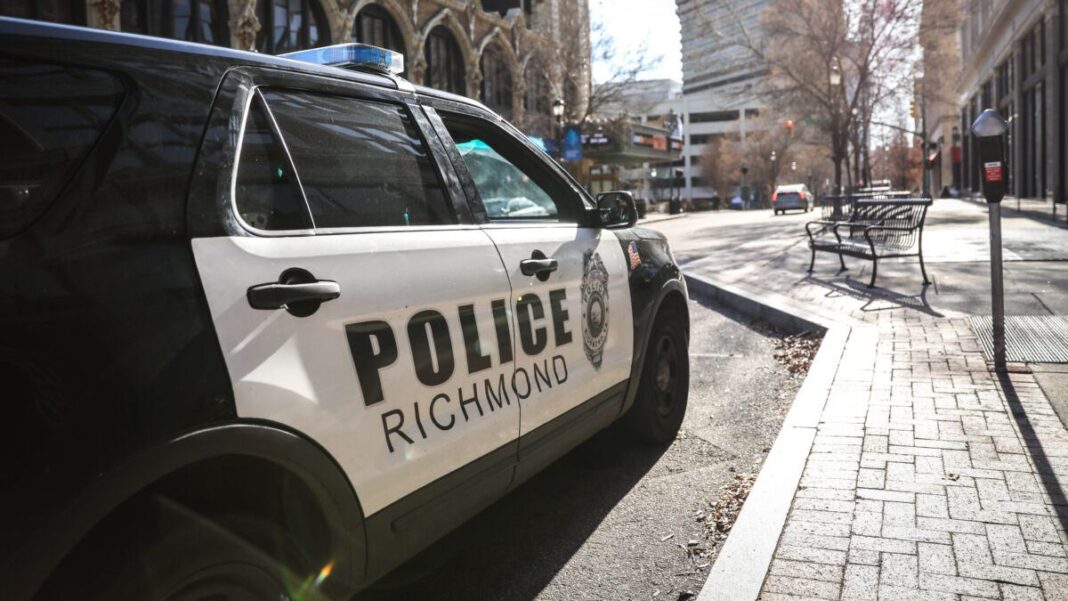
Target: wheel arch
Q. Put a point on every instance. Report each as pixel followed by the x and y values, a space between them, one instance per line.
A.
pixel 671 295
pixel 252 452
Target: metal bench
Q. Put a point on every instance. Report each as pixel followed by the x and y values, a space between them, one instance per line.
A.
pixel 837 207
pixel 873 230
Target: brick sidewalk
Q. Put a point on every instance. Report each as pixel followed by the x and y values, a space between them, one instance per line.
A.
pixel 928 476
pixel 928 479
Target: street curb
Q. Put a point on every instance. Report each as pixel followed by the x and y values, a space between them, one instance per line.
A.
pixel 780 312
pixel 646 221
pixel 742 564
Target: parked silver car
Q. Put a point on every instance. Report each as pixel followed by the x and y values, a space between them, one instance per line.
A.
pixel 792 196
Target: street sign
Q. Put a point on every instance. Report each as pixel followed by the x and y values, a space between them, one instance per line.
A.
pixel 573 143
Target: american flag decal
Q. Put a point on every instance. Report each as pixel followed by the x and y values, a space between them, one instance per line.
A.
pixel 632 254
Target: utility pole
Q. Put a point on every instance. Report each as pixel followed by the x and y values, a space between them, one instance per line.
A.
pixel 923 154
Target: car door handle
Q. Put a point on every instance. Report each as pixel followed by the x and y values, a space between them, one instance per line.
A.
pixel 538 265
pixel 276 295
pixel 297 291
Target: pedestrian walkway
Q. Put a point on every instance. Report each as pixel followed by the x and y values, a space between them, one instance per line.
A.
pixel 929 476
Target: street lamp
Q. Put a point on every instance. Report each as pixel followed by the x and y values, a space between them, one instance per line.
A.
pixel 835 78
pixel 558 117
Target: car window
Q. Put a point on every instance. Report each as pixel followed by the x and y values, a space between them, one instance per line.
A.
pixel 267 193
pixel 50 117
pixel 507 192
pixel 361 163
pixel 510 179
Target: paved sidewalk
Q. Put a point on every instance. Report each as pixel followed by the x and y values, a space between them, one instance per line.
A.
pixel 929 476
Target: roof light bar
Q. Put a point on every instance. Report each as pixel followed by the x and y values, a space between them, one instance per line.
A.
pixel 353 56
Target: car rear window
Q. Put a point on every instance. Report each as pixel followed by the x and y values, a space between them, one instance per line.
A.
pixel 50 118
pixel 787 196
pixel 361 163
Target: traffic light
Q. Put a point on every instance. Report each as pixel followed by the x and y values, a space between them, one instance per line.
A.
pixel 912 110
pixel 790 127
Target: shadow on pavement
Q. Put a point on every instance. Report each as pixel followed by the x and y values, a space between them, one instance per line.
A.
pixel 1047 476
pixel 860 291
pixel 514 548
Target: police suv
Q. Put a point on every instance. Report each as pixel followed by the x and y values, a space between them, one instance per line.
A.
pixel 272 325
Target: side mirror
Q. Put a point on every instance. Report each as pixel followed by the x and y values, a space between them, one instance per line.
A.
pixel 616 210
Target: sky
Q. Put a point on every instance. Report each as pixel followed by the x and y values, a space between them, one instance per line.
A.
pixel 632 22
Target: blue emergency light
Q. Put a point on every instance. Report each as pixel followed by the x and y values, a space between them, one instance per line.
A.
pixel 353 56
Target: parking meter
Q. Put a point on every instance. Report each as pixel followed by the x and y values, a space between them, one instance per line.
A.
pixel 989 130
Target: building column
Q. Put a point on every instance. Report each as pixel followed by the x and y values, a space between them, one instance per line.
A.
pixel 1019 143
pixel 103 14
pixel 243 24
pixel 474 80
pixel 1055 141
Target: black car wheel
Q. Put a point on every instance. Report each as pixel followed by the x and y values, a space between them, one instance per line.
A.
pixel 660 404
pixel 172 554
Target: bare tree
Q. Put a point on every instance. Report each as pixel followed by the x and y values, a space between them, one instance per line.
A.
pixel 582 99
pixel 835 63
pixel 767 153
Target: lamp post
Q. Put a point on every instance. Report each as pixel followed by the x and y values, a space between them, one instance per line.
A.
pixel 835 80
pixel 745 200
pixel 774 173
pixel 558 117
pixel 989 129
pixel 955 157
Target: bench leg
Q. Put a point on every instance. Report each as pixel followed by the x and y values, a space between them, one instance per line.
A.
pixel 812 261
pixel 874 271
pixel 923 270
pixel 841 261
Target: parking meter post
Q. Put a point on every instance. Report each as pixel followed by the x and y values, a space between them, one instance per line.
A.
pixel 997 291
pixel 989 130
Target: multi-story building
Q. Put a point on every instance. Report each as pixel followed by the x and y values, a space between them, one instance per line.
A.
pixel 635 141
pixel 520 57
pixel 936 94
pixel 721 78
pixel 1015 60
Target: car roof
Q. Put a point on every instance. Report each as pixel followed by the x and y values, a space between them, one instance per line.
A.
pixel 791 188
pixel 226 57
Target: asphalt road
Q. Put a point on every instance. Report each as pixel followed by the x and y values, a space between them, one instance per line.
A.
pixel 612 519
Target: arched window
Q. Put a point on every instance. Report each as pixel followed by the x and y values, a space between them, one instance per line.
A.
pixel 203 21
pixel 536 101
pixel 375 26
pixel 289 25
pixel 496 82
pixel 58 11
pixel 444 63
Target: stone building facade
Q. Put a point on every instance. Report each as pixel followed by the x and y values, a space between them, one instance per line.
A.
pixel 1015 59
pixel 520 57
pixel 720 80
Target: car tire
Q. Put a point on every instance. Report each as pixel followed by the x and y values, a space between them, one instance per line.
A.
pixel 169 553
pixel 660 403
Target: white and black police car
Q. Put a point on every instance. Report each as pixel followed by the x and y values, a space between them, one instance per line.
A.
pixel 271 326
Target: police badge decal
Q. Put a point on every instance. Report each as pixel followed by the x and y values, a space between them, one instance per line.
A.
pixel 594 307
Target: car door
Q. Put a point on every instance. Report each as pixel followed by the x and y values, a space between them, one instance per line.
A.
pixel 353 306
pixel 573 319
